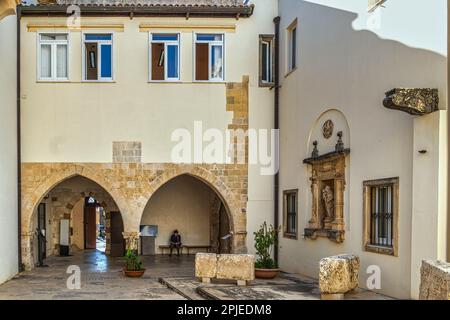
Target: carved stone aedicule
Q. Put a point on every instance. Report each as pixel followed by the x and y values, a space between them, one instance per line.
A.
pixel 413 101
pixel 327 189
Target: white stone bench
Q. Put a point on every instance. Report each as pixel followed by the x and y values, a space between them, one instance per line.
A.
pixel 338 275
pixel 239 267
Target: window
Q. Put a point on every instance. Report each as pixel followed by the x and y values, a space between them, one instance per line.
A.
pixel 374 4
pixel 381 216
pixel 53 57
pixel 164 57
pixel 209 57
pixel 290 213
pixel 266 60
pixel 292 46
pixel 98 57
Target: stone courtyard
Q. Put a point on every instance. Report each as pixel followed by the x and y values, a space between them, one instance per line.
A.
pixel 166 278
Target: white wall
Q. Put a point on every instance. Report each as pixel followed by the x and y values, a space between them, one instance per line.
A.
pixel 8 150
pixel 346 66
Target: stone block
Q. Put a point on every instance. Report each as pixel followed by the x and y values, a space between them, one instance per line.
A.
pixel 434 280
pixel 236 267
pixel 338 274
pixel 205 265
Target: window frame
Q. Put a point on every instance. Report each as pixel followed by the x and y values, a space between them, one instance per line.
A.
pixel 367 208
pixel 210 44
pixel 290 67
pixel 53 67
pixel 99 68
pixel 267 38
pixel 166 43
pixel 286 234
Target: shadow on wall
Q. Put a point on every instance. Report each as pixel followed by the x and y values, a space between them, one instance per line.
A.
pixel 349 70
pixel 334 51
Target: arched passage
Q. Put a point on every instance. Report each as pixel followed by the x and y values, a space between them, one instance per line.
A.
pixel 194 208
pixel 75 213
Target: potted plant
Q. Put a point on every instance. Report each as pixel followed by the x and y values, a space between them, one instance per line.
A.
pixel 134 267
pixel 265 238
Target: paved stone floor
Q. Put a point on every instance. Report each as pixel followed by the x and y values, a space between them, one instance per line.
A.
pixel 166 278
pixel 101 278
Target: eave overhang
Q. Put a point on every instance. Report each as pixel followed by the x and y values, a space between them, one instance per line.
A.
pixel 142 11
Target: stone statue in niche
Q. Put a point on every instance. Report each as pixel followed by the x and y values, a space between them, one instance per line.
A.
pixel 327 129
pixel 328 204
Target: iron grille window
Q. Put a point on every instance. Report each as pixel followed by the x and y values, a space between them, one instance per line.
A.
pixel 381 216
pixel 290 213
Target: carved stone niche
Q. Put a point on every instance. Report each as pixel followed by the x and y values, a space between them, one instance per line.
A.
pixel 327 188
pixel 413 101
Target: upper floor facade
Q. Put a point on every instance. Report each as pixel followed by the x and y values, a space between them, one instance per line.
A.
pixel 128 73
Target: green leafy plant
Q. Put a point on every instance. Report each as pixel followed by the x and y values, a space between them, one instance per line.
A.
pixel 134 262
pixel 265 239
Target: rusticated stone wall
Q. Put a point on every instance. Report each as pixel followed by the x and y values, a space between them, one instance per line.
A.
pixel 434 280
pixel 131 185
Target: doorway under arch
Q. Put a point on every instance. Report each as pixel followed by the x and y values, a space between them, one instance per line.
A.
pixel 75 214
pixel 191 206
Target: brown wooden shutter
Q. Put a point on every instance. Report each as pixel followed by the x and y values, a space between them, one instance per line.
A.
pixel 157 61
pixel 91 61
pixel 201 61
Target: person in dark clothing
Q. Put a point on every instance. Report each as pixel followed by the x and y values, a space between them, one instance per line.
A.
pixel 175 242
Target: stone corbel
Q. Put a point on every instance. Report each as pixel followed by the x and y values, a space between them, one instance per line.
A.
pixel 8 8
pixel 413 101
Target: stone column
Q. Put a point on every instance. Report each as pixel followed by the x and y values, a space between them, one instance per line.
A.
pixel 338 223
pixel 27 249
pixel 108 232
pixel 314 223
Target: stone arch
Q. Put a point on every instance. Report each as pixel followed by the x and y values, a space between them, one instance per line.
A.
pixel 229 199
pixel 33 198
pixel 48 179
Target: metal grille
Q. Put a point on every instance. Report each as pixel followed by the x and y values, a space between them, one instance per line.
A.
pixel 381 222
pixel 291 223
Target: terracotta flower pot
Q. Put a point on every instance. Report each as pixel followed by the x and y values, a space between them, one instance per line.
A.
pixel 133 274
pixel 266 273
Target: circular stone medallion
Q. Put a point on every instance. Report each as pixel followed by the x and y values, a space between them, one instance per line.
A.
pixel 327 129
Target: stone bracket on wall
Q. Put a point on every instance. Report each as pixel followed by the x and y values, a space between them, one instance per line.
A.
pixel 414 101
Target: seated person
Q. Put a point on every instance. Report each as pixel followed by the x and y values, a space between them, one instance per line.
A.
pixel 175 242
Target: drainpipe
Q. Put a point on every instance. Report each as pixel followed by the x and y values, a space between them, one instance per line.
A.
pixel 276 127
pixel 19 152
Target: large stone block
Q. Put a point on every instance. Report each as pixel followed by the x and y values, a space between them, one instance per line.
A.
pixel 239 267
pixel 434 280
pixel 338 274
pixel 205 265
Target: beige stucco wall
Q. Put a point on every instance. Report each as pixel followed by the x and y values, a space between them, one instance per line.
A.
pixel 78 121
pixel 8 147
pixel 345 66
pixel 184 204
